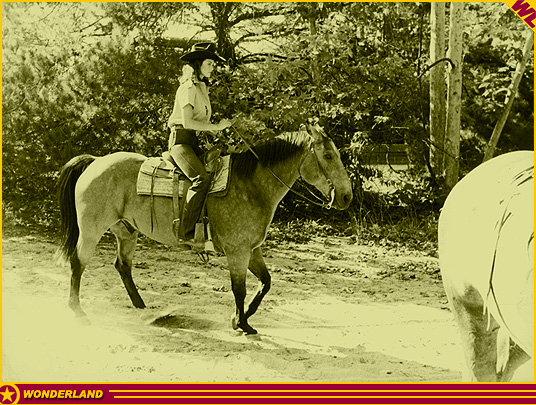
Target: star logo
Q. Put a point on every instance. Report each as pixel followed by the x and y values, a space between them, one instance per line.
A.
pixel 9 394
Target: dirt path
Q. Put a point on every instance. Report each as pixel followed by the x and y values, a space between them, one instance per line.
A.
pixel 337 311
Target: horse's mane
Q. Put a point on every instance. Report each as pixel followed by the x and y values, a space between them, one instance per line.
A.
pixel 270 152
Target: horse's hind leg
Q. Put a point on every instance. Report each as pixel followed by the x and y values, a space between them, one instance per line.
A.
pixel 85 248
pixel 74 294
pixel 126 245
pixel 516 358
pixel 259 269
pixel 479 340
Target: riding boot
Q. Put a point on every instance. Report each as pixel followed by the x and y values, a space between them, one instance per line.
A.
pixel 190 164
pixel 193 205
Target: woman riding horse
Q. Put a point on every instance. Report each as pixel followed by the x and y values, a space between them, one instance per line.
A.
pixel 191 114
pixel 99 193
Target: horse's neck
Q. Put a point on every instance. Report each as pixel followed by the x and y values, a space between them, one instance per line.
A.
pixel 276 179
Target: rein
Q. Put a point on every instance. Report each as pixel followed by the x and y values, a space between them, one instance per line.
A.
pixel 323 203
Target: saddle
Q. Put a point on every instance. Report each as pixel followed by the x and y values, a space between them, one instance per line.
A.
pixel 160 177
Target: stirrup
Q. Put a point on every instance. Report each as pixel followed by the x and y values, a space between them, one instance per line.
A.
pixel 204 256
pixel 196 246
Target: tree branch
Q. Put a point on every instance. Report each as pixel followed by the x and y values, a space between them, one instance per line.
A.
pixel 257 14
pixel 426 69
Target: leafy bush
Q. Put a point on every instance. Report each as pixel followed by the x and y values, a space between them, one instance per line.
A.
pixel 299 231
pixel 91 78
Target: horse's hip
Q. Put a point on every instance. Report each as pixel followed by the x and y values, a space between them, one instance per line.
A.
pixel 486 233
pixel 485 213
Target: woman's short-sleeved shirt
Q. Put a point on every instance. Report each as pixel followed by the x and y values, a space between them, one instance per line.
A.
pixel 194 93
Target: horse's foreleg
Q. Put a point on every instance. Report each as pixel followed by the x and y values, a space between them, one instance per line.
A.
pixel 258 267
pixel 126 245
pixel 238 265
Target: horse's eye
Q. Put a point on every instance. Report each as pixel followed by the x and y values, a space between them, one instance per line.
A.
pixel 328 156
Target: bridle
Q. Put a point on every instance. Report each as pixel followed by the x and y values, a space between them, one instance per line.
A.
pixel 322 202
pixel 325 203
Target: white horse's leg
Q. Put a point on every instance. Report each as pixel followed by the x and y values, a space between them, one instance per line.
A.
pixel 479 342
pixel 517 357
pixel 126 245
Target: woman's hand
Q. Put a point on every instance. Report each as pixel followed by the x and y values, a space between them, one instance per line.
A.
pixel 225 123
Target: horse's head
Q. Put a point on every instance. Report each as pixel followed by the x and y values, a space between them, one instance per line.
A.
pixel 323 169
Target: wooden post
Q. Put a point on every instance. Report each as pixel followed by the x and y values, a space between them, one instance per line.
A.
pixel 438 88
pixel 454 98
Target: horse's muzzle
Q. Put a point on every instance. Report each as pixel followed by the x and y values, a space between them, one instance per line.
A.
pixel 343 200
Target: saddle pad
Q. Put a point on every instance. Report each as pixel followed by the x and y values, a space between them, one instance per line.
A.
pixel 156 177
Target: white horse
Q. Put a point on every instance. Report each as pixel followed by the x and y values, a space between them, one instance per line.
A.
pixel 486 254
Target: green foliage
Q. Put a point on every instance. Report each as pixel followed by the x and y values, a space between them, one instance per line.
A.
pixel 101 77
pixel 95 93
pixel 419 234
pixel 299 231
pixel 391 199
pixel 493 50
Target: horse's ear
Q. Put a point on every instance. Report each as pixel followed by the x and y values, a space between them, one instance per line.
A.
pixel 316 132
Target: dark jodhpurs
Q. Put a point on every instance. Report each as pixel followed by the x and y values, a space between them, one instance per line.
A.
pixel 188 160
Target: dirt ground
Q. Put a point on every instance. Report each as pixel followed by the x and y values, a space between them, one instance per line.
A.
pixel 338 311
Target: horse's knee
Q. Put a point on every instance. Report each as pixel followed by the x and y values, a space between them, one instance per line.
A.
pixel 238 280
pixel 266 284
pixel 123 267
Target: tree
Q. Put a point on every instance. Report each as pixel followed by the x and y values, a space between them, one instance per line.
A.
pixel 42 104
pixel 71 87
pixel 512 91
pixel 452 138
pixel 493 46
pixel 438 87
pixel 101 77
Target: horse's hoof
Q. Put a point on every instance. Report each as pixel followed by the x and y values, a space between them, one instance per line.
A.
pixel 234 323
pixel 139 305
pixel 83 320
pixel 248 330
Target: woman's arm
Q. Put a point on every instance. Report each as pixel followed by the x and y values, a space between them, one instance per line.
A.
pixel 191 123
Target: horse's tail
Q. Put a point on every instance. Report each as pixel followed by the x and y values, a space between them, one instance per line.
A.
pixel 65 185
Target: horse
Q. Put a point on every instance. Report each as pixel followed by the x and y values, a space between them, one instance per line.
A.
pixel 97 194
pixel 486 255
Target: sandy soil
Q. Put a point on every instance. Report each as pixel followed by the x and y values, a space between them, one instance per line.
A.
pixel 338 311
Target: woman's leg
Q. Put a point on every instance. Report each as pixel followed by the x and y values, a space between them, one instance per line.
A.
pixel 193 168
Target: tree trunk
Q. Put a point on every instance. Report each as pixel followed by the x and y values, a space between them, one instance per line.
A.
pixel 438 88
pixel 454 100
pixel 490 147
pixel 221 13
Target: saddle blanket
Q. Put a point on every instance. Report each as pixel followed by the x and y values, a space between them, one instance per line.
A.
pixel 156 177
